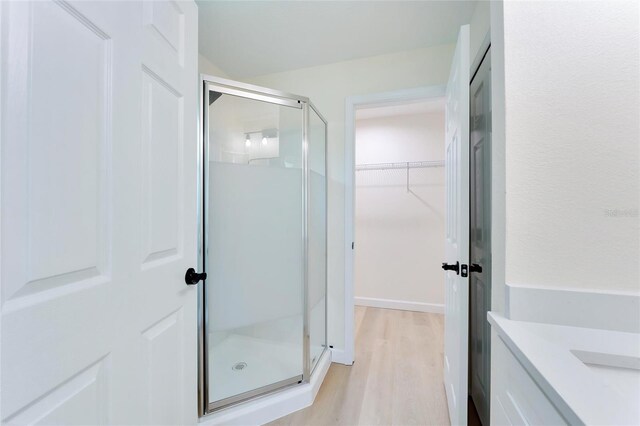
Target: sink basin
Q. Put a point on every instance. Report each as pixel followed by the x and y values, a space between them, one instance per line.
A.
pixel 621 372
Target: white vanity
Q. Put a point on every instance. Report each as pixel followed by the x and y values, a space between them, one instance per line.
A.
pixel 548 374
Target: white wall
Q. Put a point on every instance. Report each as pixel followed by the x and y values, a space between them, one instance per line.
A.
pixel 399 234
pixel 205 66
pixel 328 86
pixel 572 97
pixel 400 138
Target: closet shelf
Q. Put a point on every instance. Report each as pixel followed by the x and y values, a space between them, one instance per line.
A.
pixel 404 166
pixel 400 166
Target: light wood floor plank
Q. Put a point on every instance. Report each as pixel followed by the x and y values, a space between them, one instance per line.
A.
pixel 397 378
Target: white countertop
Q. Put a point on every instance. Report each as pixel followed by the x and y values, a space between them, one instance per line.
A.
pixel 591 376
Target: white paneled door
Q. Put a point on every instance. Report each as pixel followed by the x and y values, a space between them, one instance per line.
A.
pixel 98 215
pixel 456 327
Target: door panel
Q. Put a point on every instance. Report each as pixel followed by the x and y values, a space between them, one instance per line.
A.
pixel 56 204
pixel 98 212
pixel 79 400
pixel 457 230
pixel 42 174
pixel 480 237
pixel 166 400
pixel 162 143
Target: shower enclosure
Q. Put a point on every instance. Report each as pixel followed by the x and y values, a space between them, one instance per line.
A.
pixel 263 242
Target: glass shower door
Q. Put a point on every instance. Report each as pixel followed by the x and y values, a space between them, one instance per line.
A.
pixel 254 244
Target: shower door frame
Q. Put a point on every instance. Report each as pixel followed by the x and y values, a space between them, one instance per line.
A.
pixel 311 107
pixel 249 91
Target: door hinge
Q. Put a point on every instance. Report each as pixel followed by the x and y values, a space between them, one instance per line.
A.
pixel 464 270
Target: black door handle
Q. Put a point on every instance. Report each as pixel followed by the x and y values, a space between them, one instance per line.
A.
pixel 474 267
pixel 192 277
pixel 452 267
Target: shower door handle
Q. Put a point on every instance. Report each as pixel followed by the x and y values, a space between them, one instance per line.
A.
pixel 192 277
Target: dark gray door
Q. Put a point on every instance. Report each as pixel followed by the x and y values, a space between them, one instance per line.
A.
pixel 480 237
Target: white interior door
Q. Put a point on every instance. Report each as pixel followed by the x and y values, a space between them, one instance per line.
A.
pixel 98 208
pixel 456 326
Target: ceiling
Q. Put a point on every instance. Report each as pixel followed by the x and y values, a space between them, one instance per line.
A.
pixel 250 38
pixel 430 106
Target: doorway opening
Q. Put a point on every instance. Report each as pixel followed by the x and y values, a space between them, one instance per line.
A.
pixel 400 203
pixel 398 287
pixel 396 99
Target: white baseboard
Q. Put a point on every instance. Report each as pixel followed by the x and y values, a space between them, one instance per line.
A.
pixel 573 307
pixel 272 406
pixel 402 305
pixel 341 357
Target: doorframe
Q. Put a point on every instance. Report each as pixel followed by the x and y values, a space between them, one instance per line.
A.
pixel 495 37
pixel 351 104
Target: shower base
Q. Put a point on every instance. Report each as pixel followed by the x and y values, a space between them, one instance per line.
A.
pixel 273 405
pixel 265 362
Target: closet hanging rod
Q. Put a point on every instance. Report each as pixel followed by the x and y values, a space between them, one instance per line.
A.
pixel 404 166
